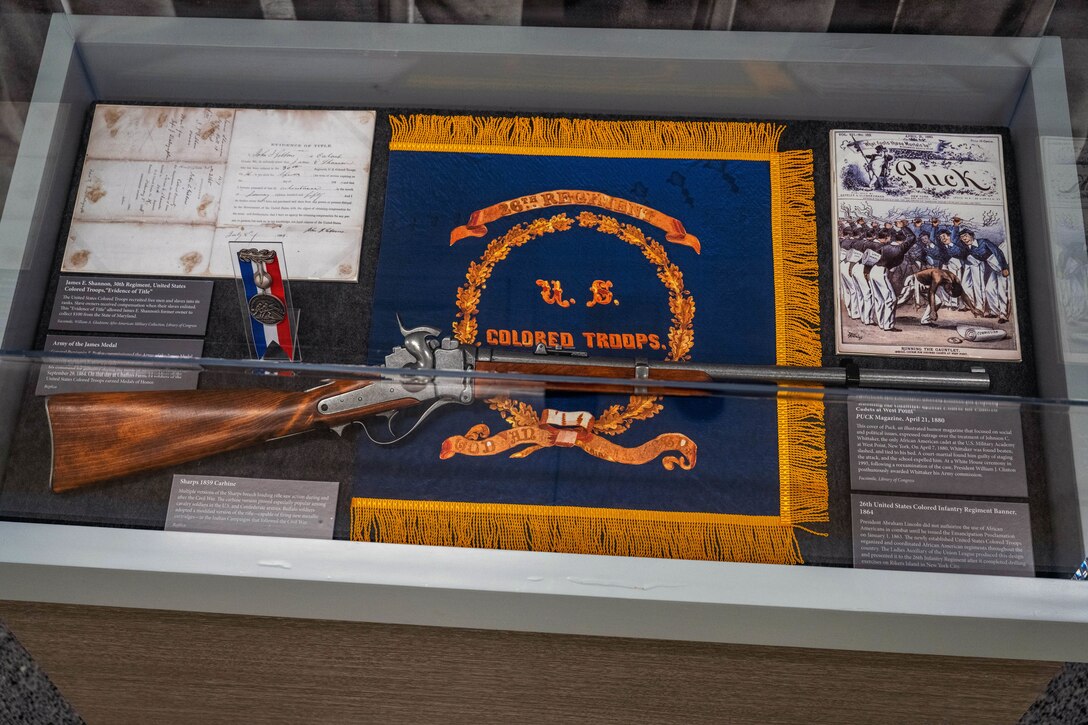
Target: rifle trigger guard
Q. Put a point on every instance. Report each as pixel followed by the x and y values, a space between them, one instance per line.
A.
pixel 393 414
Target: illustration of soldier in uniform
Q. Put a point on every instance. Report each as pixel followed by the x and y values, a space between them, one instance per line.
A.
pixel 852 295
pixel 892 255
pixel 955 255
pixel 989 274
pixel 869 247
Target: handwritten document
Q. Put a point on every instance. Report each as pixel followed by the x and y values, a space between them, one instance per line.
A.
pixel 164 190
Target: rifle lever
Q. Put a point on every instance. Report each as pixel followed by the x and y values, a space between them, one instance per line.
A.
pixel 392 415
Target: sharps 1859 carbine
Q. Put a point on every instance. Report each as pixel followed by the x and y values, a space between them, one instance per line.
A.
pixel 100 436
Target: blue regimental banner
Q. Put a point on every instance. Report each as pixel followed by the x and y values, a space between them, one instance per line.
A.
pixel 667 240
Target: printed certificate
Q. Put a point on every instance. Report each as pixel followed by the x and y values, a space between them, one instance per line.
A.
pixel 163 190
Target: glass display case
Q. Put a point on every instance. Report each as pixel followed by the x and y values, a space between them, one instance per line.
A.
pixel 784 488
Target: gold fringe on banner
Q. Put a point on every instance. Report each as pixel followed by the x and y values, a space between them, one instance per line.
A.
pixel 576 530
pixel 802 459
pixel 585 137
pixel 802 454
pixel 793 237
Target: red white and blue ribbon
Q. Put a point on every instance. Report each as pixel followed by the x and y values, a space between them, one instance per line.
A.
pixel 264 335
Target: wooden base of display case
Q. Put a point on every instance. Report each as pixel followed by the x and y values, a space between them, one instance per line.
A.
pixel 131 665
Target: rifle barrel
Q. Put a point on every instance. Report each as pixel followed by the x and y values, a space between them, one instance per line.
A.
pixel 565 363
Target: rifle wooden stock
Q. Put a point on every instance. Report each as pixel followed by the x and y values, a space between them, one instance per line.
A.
pixel 99 436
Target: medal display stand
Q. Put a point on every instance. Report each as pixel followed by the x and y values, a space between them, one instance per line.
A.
pixel 124 559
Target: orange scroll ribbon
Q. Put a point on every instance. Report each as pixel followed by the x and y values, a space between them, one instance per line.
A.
pixel 478 220
pixel 479 442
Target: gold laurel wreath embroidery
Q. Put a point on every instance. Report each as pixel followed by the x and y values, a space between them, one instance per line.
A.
pixel 617 418
pixel 468 295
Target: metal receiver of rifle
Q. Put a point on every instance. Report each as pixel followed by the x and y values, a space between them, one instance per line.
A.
pixel 422 350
